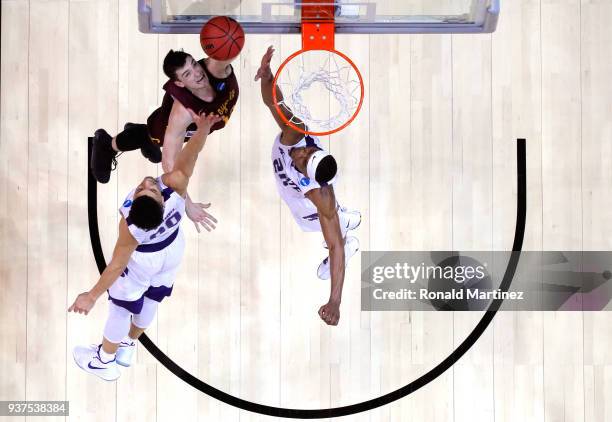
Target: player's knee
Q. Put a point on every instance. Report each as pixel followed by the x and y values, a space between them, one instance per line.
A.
pixel 117 324
pixel 144 319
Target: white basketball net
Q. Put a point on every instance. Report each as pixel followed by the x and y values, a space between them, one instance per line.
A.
pixel 321 88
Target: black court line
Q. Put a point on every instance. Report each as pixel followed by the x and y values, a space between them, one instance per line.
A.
pixel 519 233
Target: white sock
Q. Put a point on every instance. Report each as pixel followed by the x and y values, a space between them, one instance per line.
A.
pixel 106 357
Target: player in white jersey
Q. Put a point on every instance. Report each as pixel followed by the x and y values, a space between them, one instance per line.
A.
pixel 305 174
pixel 144 263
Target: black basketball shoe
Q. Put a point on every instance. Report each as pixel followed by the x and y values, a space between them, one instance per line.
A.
pixel 149 149
pixel 102 156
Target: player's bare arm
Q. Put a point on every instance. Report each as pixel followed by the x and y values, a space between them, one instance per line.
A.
pixel 126 244
pixel 178 178
pixel 299 160
pixel 179 120
pixel 325 201
pixel 290 136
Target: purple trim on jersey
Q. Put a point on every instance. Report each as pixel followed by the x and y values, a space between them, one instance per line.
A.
pixel 155 247
pixel 135 306
pixel 129 221
pixel 166 193
pixel 310 142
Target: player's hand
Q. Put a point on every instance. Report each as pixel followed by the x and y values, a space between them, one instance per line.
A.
pixel 197 213
pixel 204 122
pixel 264 70
pixel 330 313
pixel 83 304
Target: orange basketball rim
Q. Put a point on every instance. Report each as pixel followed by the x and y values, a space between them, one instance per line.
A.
pixel 318 31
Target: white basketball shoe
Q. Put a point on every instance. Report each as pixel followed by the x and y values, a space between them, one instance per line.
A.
pixel 351 246
pixel 125 352
pixel 88 359
pixel 354 218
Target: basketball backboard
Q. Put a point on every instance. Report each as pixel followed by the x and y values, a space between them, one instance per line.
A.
pixel 284 16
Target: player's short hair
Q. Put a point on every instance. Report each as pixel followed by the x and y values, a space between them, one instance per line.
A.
pixel 173 61
pixel 326 170
pixel 146 213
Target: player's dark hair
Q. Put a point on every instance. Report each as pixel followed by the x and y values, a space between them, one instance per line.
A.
pixel 146 213
pixel 326 170
pixel 173 61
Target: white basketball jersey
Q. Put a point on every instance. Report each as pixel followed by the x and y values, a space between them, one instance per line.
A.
pixel 293 185
pixel 174 211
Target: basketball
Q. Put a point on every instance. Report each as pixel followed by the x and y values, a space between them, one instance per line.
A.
pixel 222 38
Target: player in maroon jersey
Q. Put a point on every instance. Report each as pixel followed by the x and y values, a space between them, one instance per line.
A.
pixel 204 86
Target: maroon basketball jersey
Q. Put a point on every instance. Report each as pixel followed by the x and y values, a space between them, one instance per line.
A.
pixel 226 96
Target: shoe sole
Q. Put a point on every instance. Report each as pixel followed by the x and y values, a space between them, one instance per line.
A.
pixel 93 373
pixel 124 364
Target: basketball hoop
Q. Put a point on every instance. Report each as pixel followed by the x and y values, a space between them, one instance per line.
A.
pixel 316 70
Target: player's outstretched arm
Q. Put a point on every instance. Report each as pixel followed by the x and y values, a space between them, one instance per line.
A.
pixel 325 201
pixel 178 121
pixel 178 178
pixel 126 244
pixel 264 73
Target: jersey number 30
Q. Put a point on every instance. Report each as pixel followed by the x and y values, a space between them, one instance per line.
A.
pixel 170 222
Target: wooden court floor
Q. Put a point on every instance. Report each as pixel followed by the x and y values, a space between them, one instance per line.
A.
pixel 430 162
